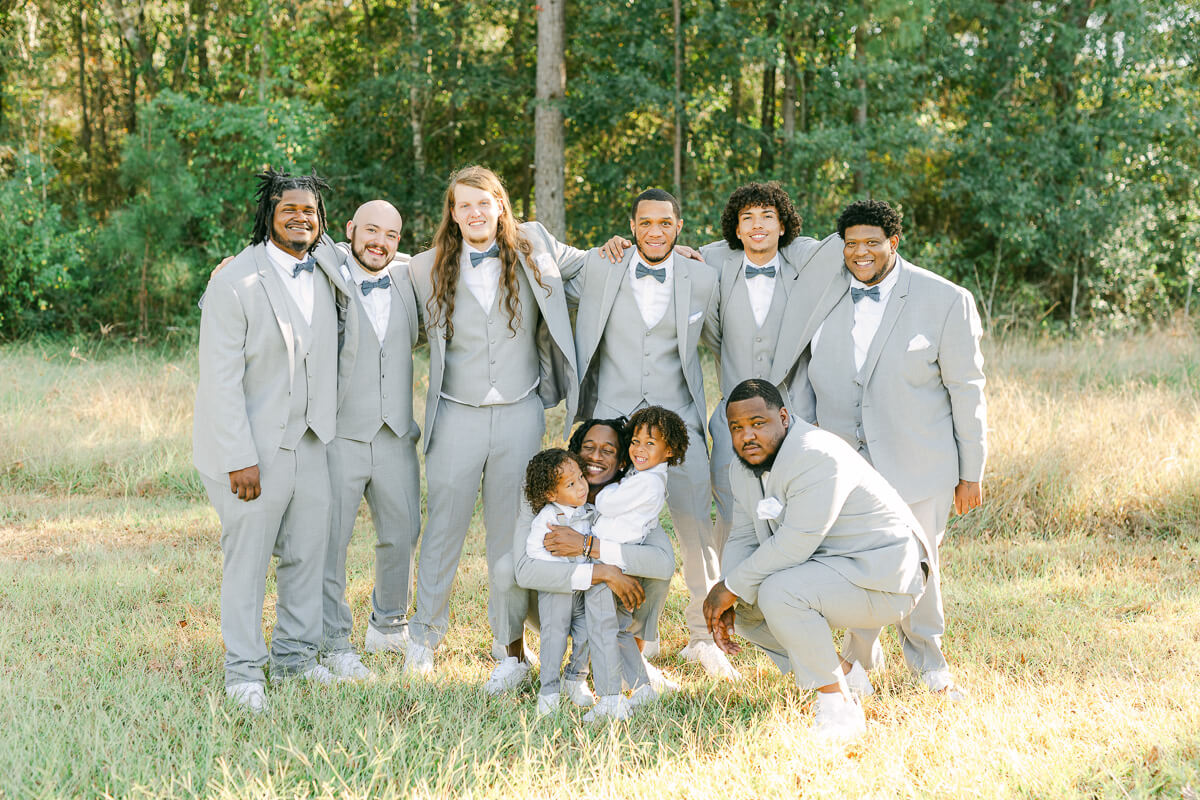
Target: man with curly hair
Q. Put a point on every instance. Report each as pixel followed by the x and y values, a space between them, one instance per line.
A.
pixel 896 371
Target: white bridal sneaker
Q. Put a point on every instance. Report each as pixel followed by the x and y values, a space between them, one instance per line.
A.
pixel 579 693
pixel 712 659
pixel 547 704
pixel 858 681
pixel 661 681
pixel 940 681
pixel 508 675
pixel 347 665
pixel 378 641
pixel 611 706
pixel 250 696
pixel 838 718
pixel 418 660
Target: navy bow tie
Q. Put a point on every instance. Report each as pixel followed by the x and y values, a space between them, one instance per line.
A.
pixel 643 271
pixel 857 294
pixel 382 283
pixel 491 252
pixel 304 266
pixel 752 270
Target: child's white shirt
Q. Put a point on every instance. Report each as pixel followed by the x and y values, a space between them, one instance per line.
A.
pixel 577 517
pixel 625 508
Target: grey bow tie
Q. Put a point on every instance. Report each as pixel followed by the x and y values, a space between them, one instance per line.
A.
pixel 382 283
pixel 643 271
pixel 491 252
pixel 857 294
pixel 304 266
pixel 768 271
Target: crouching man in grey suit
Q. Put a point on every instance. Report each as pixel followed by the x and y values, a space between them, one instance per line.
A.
pixel 265 409
pixel 819 541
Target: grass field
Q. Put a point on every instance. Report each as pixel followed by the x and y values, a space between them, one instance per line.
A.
pixel 1073 601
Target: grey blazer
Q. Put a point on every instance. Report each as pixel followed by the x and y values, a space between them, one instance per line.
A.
pixel 593 291
pixel 836 510
pixel 556 347
pixel 923 409
pixel 247 361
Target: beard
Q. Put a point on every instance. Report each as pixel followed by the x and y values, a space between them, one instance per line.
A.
pixel 759 469
pixel 670 249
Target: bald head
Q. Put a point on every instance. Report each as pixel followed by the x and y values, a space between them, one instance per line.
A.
pixel 374 234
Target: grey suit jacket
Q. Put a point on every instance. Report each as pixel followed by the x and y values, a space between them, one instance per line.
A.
pixel 247 360
pixel 923 408
pixel 593 291
pixel 556 348
pixel 836 510
pixel 817 279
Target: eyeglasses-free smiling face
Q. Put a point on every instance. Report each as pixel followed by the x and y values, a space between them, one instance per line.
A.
pixel 571 489
pixel 601 452
pixel 295 224
pixel 648 448
pixel 869 253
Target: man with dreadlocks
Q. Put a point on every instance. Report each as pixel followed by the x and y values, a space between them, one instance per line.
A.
pixel 265 409
pixel 500 351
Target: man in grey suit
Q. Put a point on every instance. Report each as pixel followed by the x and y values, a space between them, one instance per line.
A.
pixel 500 351
pixel 374 452
pixel 637 328
pixel 896 371
pixel 819 541
pixel 265 409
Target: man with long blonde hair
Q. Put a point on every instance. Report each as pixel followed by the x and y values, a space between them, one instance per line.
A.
pixel 500 351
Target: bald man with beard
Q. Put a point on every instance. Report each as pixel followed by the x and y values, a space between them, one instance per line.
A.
pixel 374 451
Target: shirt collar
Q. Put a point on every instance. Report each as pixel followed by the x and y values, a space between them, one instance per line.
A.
pixel 358 274
pixel 885 285
pixel 464 257
pixel 774 262
pixel 667 262
pixel 284 260
pixel 658 469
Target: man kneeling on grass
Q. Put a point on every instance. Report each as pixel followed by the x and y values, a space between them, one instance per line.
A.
pixel 819 541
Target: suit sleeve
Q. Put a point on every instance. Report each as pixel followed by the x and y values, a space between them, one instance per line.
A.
pixel 961 365
pixel 651 558
pixel 542 576
pixel 222 365
pixel 812 502
pixel 742 541
pixel 800 390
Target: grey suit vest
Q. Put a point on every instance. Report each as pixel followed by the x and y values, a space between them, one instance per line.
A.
pixel 750 350
pixel 312 400
pixel 837 385
pixel 483 346
pixel 380 386
pixel 639 364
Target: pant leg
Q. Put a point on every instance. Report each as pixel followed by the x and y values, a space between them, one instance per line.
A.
pixel 644 624
pixel 602 626
pixel 301 545
pixel 453 468
pixel 689 496
pixel 349 469
pixel 633 666
pixel 556 610
pixel 719 461
pixel 577 663
pixel 515 436
pixel 394 496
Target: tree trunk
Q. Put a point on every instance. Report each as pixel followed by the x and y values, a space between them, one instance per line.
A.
pixel 200 15
pixel 415 121
pixel 85 128
pixel 677 150
pixel 766 154
pixel 789 90
pixel 860 113
pixel 549 144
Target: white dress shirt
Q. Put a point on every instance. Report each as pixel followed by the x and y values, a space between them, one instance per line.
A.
pixel 299 287
pixel 625 508
pixel 483 280
pixel 868 314
pixel 652 297
pixel 760 288
pixel 580 520
pixel 378 302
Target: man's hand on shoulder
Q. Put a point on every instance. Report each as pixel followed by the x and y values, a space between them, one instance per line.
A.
pixel 614 249
pixel 224 263
pixel 967 495
pixel 245 483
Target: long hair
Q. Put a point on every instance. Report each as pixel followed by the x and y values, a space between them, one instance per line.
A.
pixel 271 186
pixel 447 245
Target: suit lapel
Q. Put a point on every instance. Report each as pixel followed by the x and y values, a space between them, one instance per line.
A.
pixel 762 528
pixel 277 296
pixel 805 309
pixel 608 296
pixel 683 305
pixel 895 305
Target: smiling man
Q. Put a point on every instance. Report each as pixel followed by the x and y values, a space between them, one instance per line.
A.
pixel 896 371
pixel 265 410
pixel 819 541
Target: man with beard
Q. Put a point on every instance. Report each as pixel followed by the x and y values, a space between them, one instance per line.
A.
pixel 819 541
pixel 265 410
pixel 374 452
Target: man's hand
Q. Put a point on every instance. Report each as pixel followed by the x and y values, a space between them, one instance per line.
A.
pixel 688 252
pixel 244 483
pixel 563 541
pixel 719 617
pixel 219 267
pixel 627 589
pixel 967 495
pixel 614 249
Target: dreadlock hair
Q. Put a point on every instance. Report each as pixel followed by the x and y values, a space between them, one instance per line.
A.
pixel 542 474
pixel 875 213
pixel 447 244
pixel 670 426
pixel 271 186
pixel 618 427
pixel 759 195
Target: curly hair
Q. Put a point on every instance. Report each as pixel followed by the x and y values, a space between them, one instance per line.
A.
pixel 870 212
pixel 670 427
pixel 759 195
pixel 542 474
pixel 271 186
pixel 618 427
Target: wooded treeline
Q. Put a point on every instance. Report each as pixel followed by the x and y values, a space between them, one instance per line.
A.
pixel 1045 153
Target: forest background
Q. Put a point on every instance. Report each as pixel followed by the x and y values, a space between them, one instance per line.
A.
pixel 1045 153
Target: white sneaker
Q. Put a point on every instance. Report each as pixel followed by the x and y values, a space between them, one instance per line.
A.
pixel 547 704
pixel 508 675
pixel 650 649
pixel 838 718
pixel 319 674
pixel 347 665
pixel 712 659
pixel 643 695
pixel 390 642
pixel 661 681
pixel 579 693
pixel 859 682
pixel 611 706
pixel 940 681
pixel 250 696
pixel 418 660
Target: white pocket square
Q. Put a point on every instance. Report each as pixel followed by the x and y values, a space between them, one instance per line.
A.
pixel 918 342
pixel 769 508
pixel 695 317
